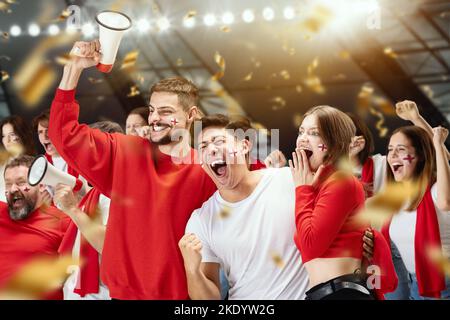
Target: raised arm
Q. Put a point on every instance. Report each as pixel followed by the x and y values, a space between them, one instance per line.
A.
pixel 89 151
pixel 443 169
pixel 408 110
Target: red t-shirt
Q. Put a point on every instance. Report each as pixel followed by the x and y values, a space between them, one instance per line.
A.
pixel 152 199
pixel 326 218
pixel 20 241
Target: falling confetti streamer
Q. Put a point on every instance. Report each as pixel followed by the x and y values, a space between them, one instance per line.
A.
pixel 297 120
pixel 382 131
pixel 390 200
pixel 344 55
pixel 390 53
pixel 277 259
pixel 315 84
pixel 255 63
pixel 64 15
pixel 225 212
pixel 63 59
pixel 5 35
pixel 39 277
pixel 317 19
pixel 225 29
pixel 190 14
pixel 179 62
pixel 94 80
pixel 313 66
pixel 278 103
pixel 248 77
pixel 285 74
pixel 3 76
pixel 220 61
pixel 384 105
pixel 428 91
pixel 134 91
pixel 3 6
pixel 441 261
pixel 140 78
pixel 130 59
pixel 299 88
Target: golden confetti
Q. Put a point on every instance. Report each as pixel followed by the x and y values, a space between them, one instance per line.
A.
pixel 387 202
pixel 130 59
pixel 291 51
pixel 5 35
pixel 64 15
pixel 140 78
pixel 317 19
pixel 315 84
pixel 385 106
pixel 11 1
pixel 299 88
pixel 345 55
pixel 248 77
pixel 63 59
pixel 94 80
pixel 297 120
pixel 364 99
pixel 3 76
pixel 190 14
pixel 134 91
pixel 39 277
pixel 382 131
pixel 279 103
pixel 179 62
pixel 155 8
pixel 255 62
pixel 225 212
pixel 277 259
pixel 313 66
pixel 221 63
pixel 428 91
pixel 285 74
pixel 436 255
pixel 390 53
pixel 39 81
pixel 340 76
pixel 225 29
pixel 3 6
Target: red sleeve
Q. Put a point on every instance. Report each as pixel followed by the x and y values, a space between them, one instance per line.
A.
pixel 319 223
pixel 91 152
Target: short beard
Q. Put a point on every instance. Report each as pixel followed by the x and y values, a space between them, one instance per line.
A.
pixel 163 141
pixel 23 212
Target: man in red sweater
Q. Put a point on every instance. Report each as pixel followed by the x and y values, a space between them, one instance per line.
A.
pixel 28 230
pixel 152 187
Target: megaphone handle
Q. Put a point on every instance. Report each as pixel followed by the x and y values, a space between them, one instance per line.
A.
pixel 78 185
pixel 105 68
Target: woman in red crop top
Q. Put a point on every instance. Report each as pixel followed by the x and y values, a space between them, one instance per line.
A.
pixel 327 202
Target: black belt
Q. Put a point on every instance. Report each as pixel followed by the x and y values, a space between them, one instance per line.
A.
pixel 322 290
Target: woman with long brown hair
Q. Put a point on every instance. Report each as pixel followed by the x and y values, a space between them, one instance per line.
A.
pixel 423 225
pixel 328 201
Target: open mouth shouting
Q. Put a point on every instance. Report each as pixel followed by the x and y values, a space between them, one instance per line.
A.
pixel 397 167
pixel 219 167
pixel 308 152
pixel 17 200
pixel 48 146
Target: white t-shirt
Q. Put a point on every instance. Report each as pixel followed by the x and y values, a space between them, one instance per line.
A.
pixel 379 171
pixel 71 281
pixel 254 242
pixel 403 229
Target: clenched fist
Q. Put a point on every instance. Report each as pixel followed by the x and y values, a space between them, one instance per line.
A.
pixel 191 247
pixel 85 54
pixel 64 198
pixel 407 110
pixel 440 134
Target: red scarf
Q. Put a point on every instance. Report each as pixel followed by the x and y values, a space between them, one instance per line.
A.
pixel 367 174
pixel 430 279
pixel 88 280
pixel 70 170
pixel 256 165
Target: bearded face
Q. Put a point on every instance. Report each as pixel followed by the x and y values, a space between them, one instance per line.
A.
pixel 21 197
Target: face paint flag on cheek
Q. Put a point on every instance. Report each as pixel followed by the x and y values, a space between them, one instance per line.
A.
pixel 323 147
pixel 409 158
pixel 26 189
pixel 174 122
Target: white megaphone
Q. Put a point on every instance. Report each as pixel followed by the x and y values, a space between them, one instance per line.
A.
pixel 41 171
pixel 111 25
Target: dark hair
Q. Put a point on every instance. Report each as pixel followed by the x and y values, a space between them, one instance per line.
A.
pixel 425 171
pixel 23 130
pixel 142 111
pixel 363 130
pixel 336 129
pixel 107 126
pixel 44 116
pixel 186 90
pixel 23 160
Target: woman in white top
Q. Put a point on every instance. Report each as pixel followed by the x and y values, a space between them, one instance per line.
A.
pixel 424 223
pixel 17 139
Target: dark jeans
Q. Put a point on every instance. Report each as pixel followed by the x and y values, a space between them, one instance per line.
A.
pixel 342 294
